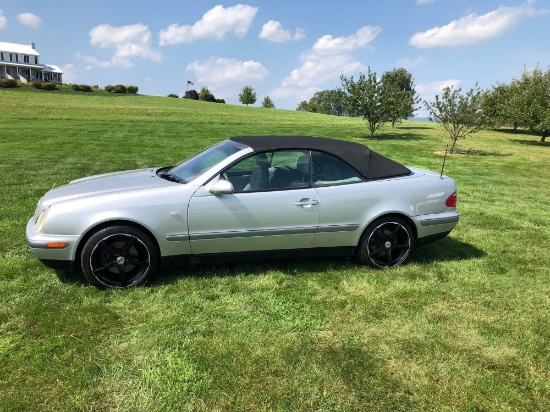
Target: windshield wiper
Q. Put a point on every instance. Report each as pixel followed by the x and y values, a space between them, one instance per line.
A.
pixel 169 176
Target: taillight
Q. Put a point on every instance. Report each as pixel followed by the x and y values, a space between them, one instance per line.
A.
pixel 451 200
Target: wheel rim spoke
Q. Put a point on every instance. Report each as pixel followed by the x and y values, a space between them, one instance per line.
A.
pixel 122 274
pixel 107 266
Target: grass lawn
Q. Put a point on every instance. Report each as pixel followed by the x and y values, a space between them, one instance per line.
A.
pixel 463 327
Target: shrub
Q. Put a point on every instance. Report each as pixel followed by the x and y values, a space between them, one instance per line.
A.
pixel 44 85
pixel 131 89
pixel 8 83
pixel 191 94
pixel 173 95
pixel 82 87
pixel 119 88
pixel 220 101
pixel 109 88
pixel 49 86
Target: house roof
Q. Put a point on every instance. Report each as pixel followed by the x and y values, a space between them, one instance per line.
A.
pixel 51 68
pixel 18 48
pixel 370 164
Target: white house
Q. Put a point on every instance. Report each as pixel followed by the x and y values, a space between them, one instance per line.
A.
pixel 21 62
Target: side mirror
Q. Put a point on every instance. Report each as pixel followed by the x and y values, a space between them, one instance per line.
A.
pixel 221 187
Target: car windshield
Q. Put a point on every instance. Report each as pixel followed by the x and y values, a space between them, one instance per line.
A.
pixel 195 166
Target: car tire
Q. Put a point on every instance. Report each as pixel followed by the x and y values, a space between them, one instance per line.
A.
pixel 119 257
pixel 387 242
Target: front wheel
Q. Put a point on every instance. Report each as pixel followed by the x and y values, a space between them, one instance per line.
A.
pixel 387 242
pixel 119 257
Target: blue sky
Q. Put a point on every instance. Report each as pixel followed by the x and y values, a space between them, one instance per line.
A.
pixel 285 49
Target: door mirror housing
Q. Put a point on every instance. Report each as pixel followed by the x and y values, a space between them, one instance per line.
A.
pixel 221 187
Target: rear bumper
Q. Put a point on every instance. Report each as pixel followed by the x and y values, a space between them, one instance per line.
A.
pixel 433 227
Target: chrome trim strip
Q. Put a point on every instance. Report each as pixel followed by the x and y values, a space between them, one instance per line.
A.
pixel 253 233
pixel 37 244
pixel 338 228
pixel 177 238
pixel 42 244
pixel 440 221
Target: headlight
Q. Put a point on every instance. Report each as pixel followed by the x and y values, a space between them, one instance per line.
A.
pixel 41 219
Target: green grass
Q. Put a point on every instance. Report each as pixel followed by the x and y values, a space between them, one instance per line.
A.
pixel 463 327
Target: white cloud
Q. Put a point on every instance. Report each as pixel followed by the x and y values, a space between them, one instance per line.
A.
pixel 220 71
pixel 128 42
pixel 328 59
pixel 422 2
pixel 273 31
pixel 226 77
pixel 473 29
pixel 407 63
pixel 3 20
pixel 70 73
pixel 29 20
pixel 316 70
pixel 427 91
pixel 216 23
pixel 363 36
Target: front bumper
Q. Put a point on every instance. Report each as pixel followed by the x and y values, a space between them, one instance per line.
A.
pixel 52 257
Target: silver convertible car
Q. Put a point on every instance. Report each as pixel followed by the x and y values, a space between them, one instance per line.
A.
pixel 246 196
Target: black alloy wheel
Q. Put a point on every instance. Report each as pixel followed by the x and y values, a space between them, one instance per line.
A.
pixel 119 257
pixel 387 242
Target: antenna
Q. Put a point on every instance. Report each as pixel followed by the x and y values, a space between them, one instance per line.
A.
pixel 444 158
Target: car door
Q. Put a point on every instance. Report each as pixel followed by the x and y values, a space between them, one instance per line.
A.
pixel 273 207
pixel 345 200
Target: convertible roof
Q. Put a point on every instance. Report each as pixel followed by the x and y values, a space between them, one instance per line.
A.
pixel 370 164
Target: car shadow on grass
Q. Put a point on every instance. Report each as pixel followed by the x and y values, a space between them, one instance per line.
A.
pixel 444 250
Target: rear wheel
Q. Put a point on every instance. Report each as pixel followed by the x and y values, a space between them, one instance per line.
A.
pixel 119 257
pixel 387 242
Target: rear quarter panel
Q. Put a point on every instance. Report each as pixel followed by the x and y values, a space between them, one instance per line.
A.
pixel 415 196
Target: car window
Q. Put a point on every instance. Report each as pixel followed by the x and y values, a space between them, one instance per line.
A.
pixel 193 167
pixel 284 169
pixel 330 170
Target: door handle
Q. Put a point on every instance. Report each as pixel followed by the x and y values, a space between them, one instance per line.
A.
pixel 305 202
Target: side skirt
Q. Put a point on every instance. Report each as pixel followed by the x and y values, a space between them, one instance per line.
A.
pixel 170 261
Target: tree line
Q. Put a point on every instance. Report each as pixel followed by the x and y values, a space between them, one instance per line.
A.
pixel 524 102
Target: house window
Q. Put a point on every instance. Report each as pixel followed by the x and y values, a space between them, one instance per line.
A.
pixel 1 56
pixel 26 59
pixel 35 60
pixel 11 57
pixel 17 58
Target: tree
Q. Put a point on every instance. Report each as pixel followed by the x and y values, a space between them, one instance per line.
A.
pixel 191 94
pixel 460 115
pixel 364 99
pixel 535 96
pixel 267 103
pixel 247 96
pixel 302 107
pixel 206 95
pixel 398 95
pixel 523 102
pixel 328 102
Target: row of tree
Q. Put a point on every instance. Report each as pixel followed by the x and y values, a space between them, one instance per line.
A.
pixel 523 102
pixel 247 96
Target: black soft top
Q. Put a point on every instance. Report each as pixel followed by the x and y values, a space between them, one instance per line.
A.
pixel 370 164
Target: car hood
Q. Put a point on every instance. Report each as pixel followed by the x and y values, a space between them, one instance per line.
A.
pixel 106 184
